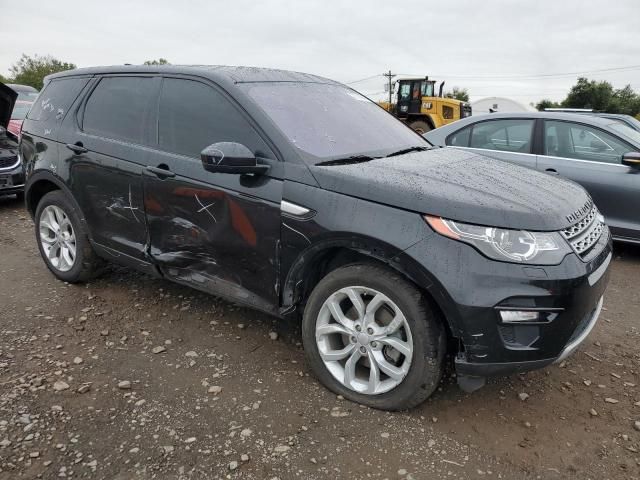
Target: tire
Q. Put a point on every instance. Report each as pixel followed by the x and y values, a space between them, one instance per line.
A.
pixel 85 264
pixel 421 330
pixel 420 127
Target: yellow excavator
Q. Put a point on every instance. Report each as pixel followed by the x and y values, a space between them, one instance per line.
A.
pixel 419 107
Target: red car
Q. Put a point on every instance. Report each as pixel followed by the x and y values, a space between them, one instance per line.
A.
pixel 26 96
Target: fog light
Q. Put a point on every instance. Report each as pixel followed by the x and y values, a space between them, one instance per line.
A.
pixel 516 316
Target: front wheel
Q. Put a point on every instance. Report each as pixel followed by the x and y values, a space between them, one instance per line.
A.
pixel 372 337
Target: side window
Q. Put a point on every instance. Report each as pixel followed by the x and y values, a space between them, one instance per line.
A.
pixel 56 98
pixel 504 135
pixel 405 89
pixel 193 115
pixel 119 108
pixel 573 140
pixel 460 138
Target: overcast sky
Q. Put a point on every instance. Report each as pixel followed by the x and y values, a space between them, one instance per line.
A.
pixel 491 47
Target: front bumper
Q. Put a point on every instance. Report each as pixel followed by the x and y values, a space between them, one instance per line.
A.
pixel 12 180
pixel 472 290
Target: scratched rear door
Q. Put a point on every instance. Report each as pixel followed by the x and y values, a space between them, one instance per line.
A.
pixel 216 232
pixel 105 147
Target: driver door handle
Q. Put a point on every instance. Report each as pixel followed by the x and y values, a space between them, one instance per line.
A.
pixel 160 172
pixel 552 171
pixel 76 148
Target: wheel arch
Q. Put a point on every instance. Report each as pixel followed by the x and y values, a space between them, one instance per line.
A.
pixel 43 182
pixel 318 260
pixel 423 117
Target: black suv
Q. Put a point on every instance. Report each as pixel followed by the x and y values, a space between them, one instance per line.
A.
pixel 295 195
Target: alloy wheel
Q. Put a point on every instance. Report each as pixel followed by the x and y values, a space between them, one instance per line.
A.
pixel 57 238
pixel 364 340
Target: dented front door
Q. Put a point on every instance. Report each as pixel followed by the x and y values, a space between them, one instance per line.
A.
pixel 219 233
pixel 216 232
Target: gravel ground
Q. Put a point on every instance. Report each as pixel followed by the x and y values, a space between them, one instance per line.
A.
pixel 133 377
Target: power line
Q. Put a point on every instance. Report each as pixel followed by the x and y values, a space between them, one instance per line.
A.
pixel 363 79
pixel 525 76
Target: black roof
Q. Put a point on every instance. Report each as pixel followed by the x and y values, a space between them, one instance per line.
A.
pixel 219 73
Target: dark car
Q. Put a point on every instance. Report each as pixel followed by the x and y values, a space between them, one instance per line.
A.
pixel 599 153
pixel 25 93
pixel 11 168
pixel 296 195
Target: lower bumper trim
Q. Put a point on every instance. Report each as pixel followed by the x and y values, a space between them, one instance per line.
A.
pixel 571 347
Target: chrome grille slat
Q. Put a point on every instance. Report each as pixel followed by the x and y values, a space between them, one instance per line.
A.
pixel 8 162
pixel 585 233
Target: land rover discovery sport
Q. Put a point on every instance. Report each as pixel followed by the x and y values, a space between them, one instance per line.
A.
pixel 296 195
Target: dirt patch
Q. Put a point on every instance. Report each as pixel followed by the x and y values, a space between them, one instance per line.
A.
pixel 227 393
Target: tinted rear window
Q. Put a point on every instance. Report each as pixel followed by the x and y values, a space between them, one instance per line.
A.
pixel 56 98
pixel 119 107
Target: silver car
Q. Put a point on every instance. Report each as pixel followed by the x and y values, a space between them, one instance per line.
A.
pixel 601 154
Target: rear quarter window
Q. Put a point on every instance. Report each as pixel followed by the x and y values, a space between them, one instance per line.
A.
pixel 56 98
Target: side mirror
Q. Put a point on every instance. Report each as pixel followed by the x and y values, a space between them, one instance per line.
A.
pixel 631 159
pixel 231 157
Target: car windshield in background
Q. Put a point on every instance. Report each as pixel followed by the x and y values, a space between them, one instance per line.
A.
pixel 627 131
pixel 20 110
pixel 332 121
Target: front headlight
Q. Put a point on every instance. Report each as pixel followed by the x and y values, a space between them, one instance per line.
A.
pixel 519 246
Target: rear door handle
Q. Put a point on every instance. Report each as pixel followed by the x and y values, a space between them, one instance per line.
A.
pixel 160 172
pixel 552 171
pixel 76 148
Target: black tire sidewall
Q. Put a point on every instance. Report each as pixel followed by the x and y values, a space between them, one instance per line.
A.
pixel 424 126
pixel 59 199
pixel 426 365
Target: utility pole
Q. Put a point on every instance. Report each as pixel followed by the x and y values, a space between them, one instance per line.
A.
pixel 390 76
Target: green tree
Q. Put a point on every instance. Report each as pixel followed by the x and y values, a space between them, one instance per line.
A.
pixel 461 94
pixel 625 100
pixel 589 94
pixel 546 103
pixel 4 79
pixel 160 61
pixel 32 70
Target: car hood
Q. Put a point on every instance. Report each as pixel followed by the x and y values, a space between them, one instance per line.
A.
pixel 462 186
pixel 7 101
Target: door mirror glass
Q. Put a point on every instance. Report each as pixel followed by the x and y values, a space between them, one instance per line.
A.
pixel 231 157
pixel 632 159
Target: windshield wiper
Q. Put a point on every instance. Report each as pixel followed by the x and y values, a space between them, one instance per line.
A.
pixel 408 150
pixel 347 160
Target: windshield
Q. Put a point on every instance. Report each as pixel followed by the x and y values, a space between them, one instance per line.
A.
pixel 331 121
pixel 20 110
pixel 627 131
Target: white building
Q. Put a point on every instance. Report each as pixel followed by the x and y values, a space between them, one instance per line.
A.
pixel 499 105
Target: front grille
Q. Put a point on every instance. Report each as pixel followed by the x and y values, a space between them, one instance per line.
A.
pixel 7 162
pixel 584 234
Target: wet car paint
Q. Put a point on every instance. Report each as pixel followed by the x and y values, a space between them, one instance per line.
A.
pixel 228 234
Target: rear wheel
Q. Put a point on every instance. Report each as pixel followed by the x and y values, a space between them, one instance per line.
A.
pixel 62 242
pixel 420 126
pixel 370 336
